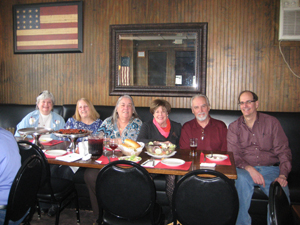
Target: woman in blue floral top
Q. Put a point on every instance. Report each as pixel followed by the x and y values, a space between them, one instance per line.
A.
pixel 86 117
pixel 123 124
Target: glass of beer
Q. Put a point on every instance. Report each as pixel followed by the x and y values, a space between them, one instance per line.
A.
pixel 193 146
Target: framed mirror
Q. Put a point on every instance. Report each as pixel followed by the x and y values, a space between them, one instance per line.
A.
pixel 158 59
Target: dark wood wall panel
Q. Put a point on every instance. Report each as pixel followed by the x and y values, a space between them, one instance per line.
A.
pixel 243 53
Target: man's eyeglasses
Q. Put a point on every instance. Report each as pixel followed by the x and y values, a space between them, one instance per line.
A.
pixel 246 102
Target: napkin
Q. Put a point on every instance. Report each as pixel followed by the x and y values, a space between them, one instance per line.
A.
pixel 69 157
pixel 86 157
pixel 104 160
pixel 83 148
pixel 185 166
pixel 208 164
pixel 149 163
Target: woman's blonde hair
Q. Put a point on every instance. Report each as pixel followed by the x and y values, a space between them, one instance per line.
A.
pixel 94 114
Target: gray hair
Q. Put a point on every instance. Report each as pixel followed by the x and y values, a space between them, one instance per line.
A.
pixel 197 96
pixel 115 113
pixel 44 95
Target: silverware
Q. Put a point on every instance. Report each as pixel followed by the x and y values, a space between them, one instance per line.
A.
pixel 144 163
pixel 153 162
pixel 108 159
pixel 204 158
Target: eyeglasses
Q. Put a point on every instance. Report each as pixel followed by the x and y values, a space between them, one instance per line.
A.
pixel 246 102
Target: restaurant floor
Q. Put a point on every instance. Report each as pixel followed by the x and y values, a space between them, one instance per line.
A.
pixel 67 217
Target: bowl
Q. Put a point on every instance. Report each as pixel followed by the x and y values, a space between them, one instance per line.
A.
pixel 131 151
pixel 160 149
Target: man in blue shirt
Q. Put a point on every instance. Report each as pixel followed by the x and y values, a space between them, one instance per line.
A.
pixel 10 162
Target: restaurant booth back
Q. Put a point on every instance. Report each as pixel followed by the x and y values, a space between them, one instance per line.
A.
pixel 11 115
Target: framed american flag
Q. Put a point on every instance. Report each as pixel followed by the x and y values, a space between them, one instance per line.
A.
pixel 48 27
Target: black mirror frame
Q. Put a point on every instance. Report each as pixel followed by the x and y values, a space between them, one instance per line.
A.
pixel 201 29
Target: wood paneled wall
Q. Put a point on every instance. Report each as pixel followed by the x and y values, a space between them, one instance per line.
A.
pixel 242 54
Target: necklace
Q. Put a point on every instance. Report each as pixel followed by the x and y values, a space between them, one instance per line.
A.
pixel 44 120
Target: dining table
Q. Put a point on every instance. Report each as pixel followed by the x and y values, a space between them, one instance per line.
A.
pixel 227 167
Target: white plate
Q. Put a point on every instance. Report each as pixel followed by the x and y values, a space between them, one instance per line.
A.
pixel 45 140
pixel 161 156
pixel 136 159
pixel 173 162
pixel 216 157
pixel 56 152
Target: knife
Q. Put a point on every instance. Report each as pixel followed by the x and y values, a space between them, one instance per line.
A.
pixel 144 163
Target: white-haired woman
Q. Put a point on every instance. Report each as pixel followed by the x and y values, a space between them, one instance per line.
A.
pixel 123 124
pixel 43 116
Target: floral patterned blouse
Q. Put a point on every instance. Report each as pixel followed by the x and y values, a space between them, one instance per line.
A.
pixel 131 131
pixel 74 124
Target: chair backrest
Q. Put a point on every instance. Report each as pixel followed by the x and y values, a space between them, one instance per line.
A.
pixel 24 189
pixel 279 206
pixel 211 200
pixel 28 149
pixel 127 193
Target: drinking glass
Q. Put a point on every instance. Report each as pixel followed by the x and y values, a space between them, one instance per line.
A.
pixel 95 142
pixel 113 144
pixel 105 144
pixel 193 146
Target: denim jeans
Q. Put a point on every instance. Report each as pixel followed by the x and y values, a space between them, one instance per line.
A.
pixel 245 187
pixel 2 218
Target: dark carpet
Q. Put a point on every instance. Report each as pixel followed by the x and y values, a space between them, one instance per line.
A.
pixel 67 217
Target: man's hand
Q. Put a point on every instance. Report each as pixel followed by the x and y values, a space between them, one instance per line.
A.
pixel 282 180
pixel 255 175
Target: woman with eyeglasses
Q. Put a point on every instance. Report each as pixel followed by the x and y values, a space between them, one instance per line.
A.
pixel 43 116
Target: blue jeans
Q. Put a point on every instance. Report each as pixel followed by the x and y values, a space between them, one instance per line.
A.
pixel 245 187
pixel 2 218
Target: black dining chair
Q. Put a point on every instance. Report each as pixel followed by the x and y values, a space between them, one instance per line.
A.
pixel 210 198
pixel 127 195
pixel 22 195
pixel 280 210
pixel 53 190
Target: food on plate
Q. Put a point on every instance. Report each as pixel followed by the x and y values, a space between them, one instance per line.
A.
pixel 130 147
pixel 72 131
pixel 132 158
pixel 159 148
pixel 216 157
pixel 128 143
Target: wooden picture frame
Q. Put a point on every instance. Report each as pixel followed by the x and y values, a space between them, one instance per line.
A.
pixel 47 27
pixel 174 63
